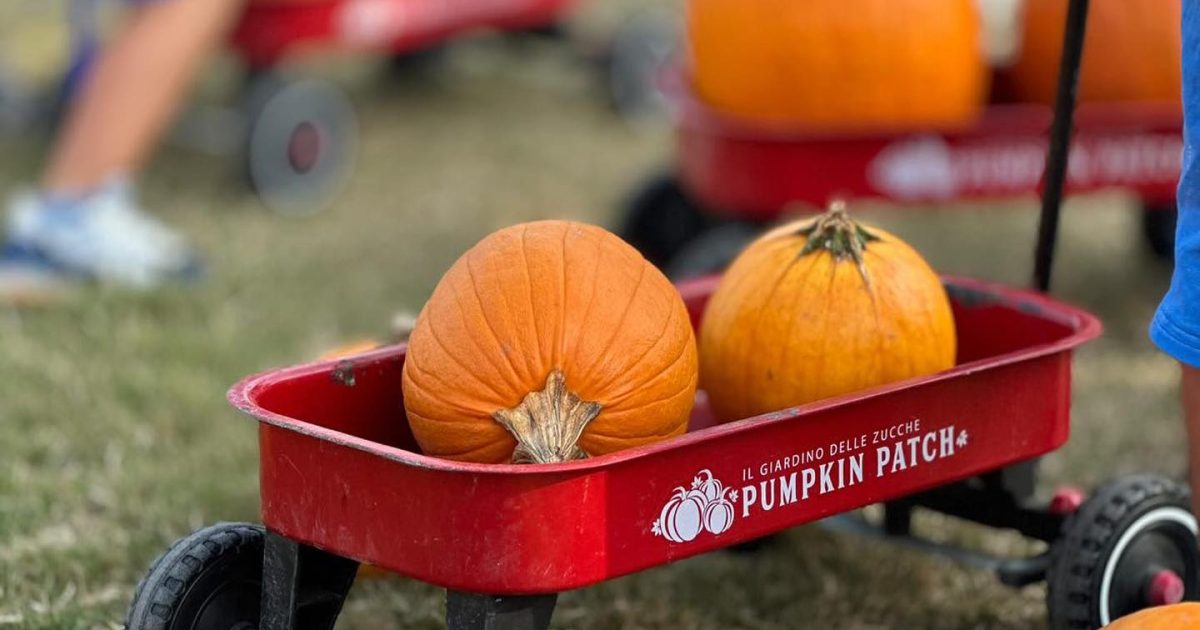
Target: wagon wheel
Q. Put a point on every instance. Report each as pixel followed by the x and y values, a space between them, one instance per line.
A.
pixel 1131 546
pixel 209 580
pixel 660 219
pixel 301 142
pixel 1158 226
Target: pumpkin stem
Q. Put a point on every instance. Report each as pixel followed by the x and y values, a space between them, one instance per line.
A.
pixel 548 424
pixel 835 232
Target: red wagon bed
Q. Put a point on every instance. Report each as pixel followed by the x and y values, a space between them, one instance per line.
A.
pixel 732 176
pixel 340 471
pixel 753 170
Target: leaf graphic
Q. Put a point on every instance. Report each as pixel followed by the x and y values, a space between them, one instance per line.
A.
pixel 962 440
pixel 696 482
pixel 655 529
pixel 733 495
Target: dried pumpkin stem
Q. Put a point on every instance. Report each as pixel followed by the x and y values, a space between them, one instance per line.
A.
pixel 835 232
pixel 548 424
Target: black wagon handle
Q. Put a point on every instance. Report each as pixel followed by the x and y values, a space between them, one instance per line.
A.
pixel 1055 175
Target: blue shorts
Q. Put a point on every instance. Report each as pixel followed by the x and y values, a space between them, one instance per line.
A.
pixel 1176 325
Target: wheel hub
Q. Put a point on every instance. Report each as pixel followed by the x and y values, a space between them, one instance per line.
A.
pixel 233 605
pixel 1165 587
pixel 304 147
pixel 1066 500
pixel 1153 564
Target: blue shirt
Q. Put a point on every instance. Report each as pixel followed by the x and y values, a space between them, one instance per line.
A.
pixel 1176 325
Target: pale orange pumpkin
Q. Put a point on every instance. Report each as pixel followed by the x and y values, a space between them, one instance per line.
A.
pixel 549 341
pixel 1183 616
pixel 1131 51
pixel 840 64
pixel 819 308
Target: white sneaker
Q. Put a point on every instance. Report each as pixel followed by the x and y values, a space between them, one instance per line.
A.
pixel 104 236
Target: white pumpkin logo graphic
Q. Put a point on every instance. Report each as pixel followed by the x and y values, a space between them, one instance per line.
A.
pixel 681 517
pixel 710 487
pixel 718 516
pixel 706 507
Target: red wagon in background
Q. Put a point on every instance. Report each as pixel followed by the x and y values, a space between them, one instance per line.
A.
pixel 733 176
pixel 297 136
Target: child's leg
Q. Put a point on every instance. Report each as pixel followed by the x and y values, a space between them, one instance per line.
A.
pixel 84 223
pixel 136 86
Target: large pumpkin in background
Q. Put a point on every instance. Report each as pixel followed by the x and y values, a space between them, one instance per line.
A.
pixel 819 308
pixel 839 64
pixel 1185 616
pixel 1131 51
pixel 545 342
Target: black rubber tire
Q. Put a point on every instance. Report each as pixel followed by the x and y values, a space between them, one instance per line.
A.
pixel 1089 545
pixel 660 219
pixel 1158 226
pixel 711 251
pixel 178 590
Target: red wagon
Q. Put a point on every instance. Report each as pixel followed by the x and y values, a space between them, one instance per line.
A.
pixel 343 482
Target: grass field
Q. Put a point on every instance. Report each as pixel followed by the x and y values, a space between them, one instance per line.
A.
pixel 115 438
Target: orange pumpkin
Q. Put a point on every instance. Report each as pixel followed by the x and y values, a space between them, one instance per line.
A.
pixel 1131 52
pixel 1184 616
pixel 819 308
pixel 545 342
pixel 839 63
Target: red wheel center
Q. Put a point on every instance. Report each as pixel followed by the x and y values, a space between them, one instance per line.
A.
pixel 1066 500
pixel 304 147
pixel 1165 587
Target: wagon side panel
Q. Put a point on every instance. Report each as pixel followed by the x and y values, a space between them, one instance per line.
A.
pixel 799 468
pixel 475 532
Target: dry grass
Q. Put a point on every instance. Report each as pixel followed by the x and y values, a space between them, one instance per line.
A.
pixel 116 439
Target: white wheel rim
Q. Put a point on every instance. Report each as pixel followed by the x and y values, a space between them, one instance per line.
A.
pixel 1157 515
